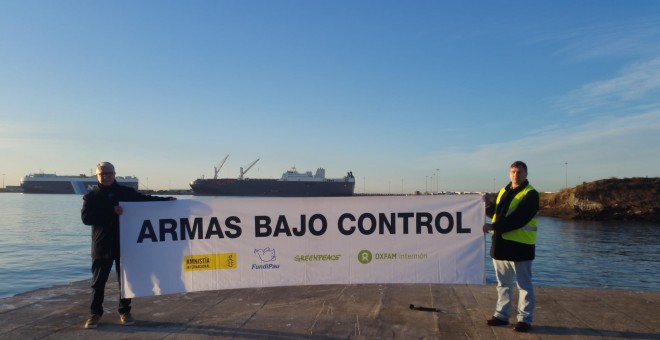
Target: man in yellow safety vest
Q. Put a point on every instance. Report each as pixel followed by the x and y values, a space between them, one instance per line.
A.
pixel 513 246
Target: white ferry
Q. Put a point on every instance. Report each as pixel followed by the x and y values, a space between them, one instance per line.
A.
pixel 53 184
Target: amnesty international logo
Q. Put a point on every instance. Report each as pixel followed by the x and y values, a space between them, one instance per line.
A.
pixel 365 256
pixel 209 262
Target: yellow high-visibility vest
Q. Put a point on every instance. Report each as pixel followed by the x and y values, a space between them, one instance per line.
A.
pixel 526 234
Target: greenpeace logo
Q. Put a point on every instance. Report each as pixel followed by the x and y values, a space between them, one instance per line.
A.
pixel 317 258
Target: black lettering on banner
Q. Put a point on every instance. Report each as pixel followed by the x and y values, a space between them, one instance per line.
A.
pixel 406 216
pixel 421 223
pixel 197 228
pixel 459 224
pixel 282 227
pixel 164 229
pixel 235 229
pixel 147 231
pixel 340 224
pixel 187 231
pixel 424 219
pixel 301 230
pixel 372 227
pixel 383 223
pixel 324 225
pixel 214 229
pixel 262 226
pixel 438 222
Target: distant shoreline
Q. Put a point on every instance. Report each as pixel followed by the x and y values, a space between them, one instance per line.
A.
pixel 628 199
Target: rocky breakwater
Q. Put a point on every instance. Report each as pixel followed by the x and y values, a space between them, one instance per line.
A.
pixel 608 199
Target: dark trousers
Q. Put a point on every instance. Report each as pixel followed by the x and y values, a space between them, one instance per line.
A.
pixel 100 273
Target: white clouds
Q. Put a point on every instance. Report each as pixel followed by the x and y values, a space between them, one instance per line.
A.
pixel 636 38
pixel 601 148
pixel 638 82
pixel 607 127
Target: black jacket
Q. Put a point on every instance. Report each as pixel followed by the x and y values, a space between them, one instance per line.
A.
pixel 98 211
pixel 501 249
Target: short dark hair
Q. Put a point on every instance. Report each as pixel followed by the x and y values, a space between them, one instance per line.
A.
pixel 519 165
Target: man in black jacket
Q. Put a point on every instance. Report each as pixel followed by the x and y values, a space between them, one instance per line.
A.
pixel 101 210
pixel 513 246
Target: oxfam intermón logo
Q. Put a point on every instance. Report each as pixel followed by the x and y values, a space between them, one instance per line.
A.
pixel 365 256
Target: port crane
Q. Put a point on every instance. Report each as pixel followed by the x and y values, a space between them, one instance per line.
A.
pixel 248 168
pixel 217 168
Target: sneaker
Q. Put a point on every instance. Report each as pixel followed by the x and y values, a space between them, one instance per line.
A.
pixel 93 321
pixel 522 326
pixel 126 319
pixel 494 321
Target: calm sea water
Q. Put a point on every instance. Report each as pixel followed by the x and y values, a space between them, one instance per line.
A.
pixel 43 243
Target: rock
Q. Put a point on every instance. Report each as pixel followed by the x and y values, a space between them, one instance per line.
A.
pixel 608 199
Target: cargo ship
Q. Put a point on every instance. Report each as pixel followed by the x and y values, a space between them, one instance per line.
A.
pixel 53 184
pixel 291 184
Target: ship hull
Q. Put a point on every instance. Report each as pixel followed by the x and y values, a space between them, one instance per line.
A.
pixel 271 188
pixel 66 186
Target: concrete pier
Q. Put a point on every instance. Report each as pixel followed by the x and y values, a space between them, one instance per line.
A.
pixel 332 312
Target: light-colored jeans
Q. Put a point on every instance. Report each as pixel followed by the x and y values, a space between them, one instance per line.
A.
pixel 505 273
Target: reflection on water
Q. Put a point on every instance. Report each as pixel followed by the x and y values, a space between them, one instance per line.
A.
pixel 597 254
pixel 44 243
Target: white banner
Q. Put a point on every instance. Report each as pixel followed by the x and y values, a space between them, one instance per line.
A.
pixel 240 242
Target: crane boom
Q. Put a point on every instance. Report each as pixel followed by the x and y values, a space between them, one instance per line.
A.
pixel 248 168
pixel 217 168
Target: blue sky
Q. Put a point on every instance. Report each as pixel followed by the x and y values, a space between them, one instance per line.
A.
pixel 406 95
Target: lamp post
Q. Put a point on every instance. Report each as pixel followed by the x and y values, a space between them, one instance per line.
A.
pixel 566 175
pixel 437 181
pixel 426 188
pixel 433 181
pixel 3 181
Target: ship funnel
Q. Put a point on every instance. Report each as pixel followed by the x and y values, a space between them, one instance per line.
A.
pixel 320 172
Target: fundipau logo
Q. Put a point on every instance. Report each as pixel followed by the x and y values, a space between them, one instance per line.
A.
pixel 266 255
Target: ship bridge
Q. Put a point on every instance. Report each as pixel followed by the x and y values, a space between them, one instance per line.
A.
pixel 294 176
